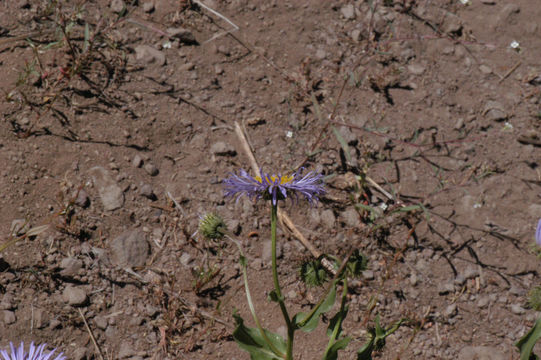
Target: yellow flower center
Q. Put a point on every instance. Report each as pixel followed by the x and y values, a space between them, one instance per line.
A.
pixel 283 180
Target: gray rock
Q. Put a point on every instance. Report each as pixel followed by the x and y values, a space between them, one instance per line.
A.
pixel 460 280
pixel 151 169
pixel 348 135
pixel 321 54
pixel 480 353
pixel 446 288
pixel 416 69
pixel 495 111
pixel 151 311
pixel 101 322
pixel 314 217
pixel 485 69
pixel 7 302
pixel 234 226
pixel 82 199
pixel 517 309
pixel 80 353
pixel 368 275
pixel 117 5
pixel 218 69
pixel 471 273
pixel 19 227
pixel 183 35
pixel 111 333
pixel 148 7
pixel 221 148
pixel 130 249
pixel 137 161
pixel 149 55
pixel 450 311
pixel 126 350
pixel 110 193
pixel 452 24
pixel 186 259
pixel 74 296
pixel 328 219
pixel 41 319
pixel 292 294
pixel 348 12
pixel 147 191
pixel 70 266
pixel 351 217
pixel 483 302
pixel 356 35
pixel 8 317
pixel 413 280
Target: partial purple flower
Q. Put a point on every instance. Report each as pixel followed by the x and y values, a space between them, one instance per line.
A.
pixel 538 233
pixel 275 187
pixel 34 353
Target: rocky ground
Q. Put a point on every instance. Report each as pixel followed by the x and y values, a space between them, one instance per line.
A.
pixel 119 124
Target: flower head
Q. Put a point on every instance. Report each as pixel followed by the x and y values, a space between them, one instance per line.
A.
pixel 212 226
pixel 538 233
pixel 34 353
pixel 275 187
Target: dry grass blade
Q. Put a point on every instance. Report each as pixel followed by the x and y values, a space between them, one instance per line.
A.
pixel 98 350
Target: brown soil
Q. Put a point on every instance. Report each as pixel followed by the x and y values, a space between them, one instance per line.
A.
pixel 127 128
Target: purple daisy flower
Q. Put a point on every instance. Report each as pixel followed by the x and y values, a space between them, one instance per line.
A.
pixel 34 353
pixel 275 187
pixel 538 233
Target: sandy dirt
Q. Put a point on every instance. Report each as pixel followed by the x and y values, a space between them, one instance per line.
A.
pixel 119 125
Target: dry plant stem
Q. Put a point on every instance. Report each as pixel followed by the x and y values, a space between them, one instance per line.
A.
pixel 282 216
pixel 214 12
pixel 509 72
pixel 91 334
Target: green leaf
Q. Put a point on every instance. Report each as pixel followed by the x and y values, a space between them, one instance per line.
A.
pixel 307 322
pixel 343 143
pixel 337 320
pixel 376 339
pixel 333 331
pixel 252 341
pixel 365 353
pixel 527 342
pixel 332 353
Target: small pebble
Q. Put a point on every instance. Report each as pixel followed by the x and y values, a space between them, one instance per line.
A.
pixel 450 311
pixel 82 199
pixel 137 161
pixel 148 7
pixel 9 317
pixel 446 288
pixel 151 169
pixel 517 309
pixel 368 275
pixel 147 191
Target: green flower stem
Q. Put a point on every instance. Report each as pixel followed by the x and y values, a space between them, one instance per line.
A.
pixel 249 296
pixel 278 291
